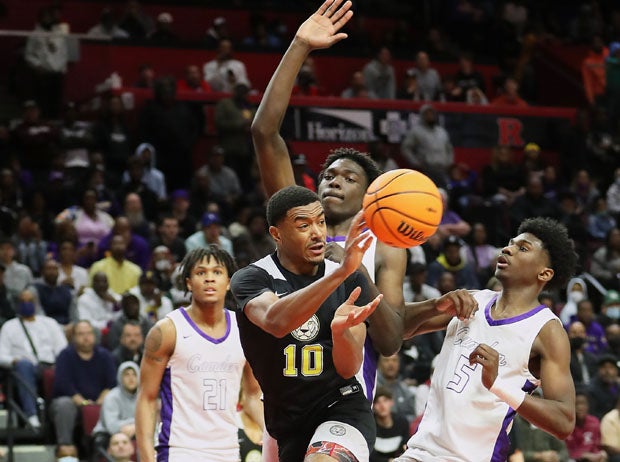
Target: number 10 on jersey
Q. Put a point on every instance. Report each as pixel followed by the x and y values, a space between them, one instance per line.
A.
pixel 311 359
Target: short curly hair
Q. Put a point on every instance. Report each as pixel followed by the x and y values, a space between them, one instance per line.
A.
pixel 557 243
pixel 286 199
pixel 363 159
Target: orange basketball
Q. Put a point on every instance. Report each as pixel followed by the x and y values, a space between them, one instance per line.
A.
pixel 403 208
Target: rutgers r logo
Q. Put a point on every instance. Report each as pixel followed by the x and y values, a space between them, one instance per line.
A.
pixel 410 232
pixel 510 131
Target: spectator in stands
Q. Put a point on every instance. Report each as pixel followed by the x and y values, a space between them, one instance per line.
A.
pixel 389 377
pixel 107 28
pixel 451 261
pixel 450 93
pixel 613 195
pixel 137 219
pixel 98 303
pixel 28 345
pixel 6 308
pixel 90 223
pixel 180 199
pixel 379 75
pixel 168 235
pixel 428 79
pixel 153 304
pixel 146 76
pixel 130 306
pixel 381 153
pixel 410 90
pixel 610 313
pixel 610 433
pixel 261 36
pixel 576 291
pixel 392 428
pixel 216 32
pixel 120 448
pixel 46 57
pixel 600 220
pixel 476 97
pixel 224 72
pixel 603 388
pixel 605 263
pixel 96 179
pixel 118 408
pixel 536 444
pixel 224 184
pixel 482 254
pixel 57 300
pixel 193 82
pixel 532 203
pixel 233 118
pixel 257 242
pixel 152 177
pixel 113 139
pixel 415 287
pixel 84 375
pixel 595 333
pixel 138 250
pixel 163 33
pixel 593 70
pixel 135 21
pixel 135 185
pixel 467 77
pixel 446 282
pixel 302 173
pixel 509 95
pixel 426 147
pixel 532 161
pixel 163 265
pixel 503 180
pixel 122 274
pixel 357 87
pixel 612 82
pixel 211 233
pixel 451 223
pixel 172 129
pixel 582 362
pixel 17 277
pixel 585 189
pixel 131 344
pixel 584 444
pixel 66 453
pixel 30 245
pixel 75 139
pixel 35 141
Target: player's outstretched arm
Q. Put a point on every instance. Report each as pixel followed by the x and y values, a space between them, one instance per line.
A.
pixel 555 411
pixel 435 314
pixel 349 333
pixel 158 347
pixel 321 30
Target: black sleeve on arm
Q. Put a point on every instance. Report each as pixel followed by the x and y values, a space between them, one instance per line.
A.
pixel 248 283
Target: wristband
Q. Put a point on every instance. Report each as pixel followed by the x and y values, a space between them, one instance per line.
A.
pixel 508 392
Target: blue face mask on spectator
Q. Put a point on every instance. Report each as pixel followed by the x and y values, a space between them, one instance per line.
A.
pixel 68 459
pixel 26 309
pixel 613 312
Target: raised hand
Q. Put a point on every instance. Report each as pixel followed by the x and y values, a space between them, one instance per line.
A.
pixel 348 314
pixel 321 29
pixel 459 303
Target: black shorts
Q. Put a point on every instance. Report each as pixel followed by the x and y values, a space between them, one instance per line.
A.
pixel 352 409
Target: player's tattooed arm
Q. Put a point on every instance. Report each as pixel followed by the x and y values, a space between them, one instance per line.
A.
pixel 153 343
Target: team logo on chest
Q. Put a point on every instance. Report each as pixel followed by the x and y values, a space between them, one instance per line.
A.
pixel 308 330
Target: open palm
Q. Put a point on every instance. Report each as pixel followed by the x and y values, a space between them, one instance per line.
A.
pixel 321 29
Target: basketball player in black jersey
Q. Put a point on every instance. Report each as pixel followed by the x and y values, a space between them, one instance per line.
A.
pixel 303 334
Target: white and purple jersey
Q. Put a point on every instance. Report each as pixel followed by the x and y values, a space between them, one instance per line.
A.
pixel 367 375
pixel 199 393
pixel 464 421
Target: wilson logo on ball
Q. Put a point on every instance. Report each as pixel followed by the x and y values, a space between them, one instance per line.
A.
pixel 410 232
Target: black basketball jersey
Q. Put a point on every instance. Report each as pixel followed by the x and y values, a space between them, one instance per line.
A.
pixel 296 373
